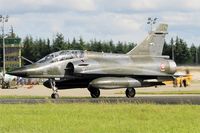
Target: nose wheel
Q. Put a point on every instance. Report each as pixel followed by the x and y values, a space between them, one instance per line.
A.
pixel 130 92
pixel 55 94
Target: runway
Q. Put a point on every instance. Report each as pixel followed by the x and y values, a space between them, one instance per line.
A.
pixel 193 100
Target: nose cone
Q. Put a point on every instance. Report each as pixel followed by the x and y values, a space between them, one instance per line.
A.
pixel 21 72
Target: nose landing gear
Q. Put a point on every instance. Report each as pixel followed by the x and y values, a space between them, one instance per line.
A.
pixel 55 94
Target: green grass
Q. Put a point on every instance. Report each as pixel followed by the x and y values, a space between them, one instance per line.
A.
pixel 99 118
pixel 171 92
pixel 165 92
pixel 36 97
pixel 23 97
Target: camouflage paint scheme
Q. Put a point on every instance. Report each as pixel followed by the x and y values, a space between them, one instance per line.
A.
pixel 142 66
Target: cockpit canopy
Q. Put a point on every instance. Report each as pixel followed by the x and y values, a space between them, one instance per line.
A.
pixel 62 55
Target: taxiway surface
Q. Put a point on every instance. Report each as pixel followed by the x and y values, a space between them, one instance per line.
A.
pixel 195 100
pixel 40 94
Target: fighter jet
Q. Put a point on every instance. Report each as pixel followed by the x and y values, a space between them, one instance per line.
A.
pixel 143 66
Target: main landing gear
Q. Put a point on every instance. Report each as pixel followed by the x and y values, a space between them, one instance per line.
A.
pixel 94 92
pixel 130 92
pixel 54 95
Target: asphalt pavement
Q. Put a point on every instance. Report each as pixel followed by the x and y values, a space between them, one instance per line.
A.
pixel 35 94
pixel 192 100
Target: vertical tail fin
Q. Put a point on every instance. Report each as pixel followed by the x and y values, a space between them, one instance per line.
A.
pixel 153 43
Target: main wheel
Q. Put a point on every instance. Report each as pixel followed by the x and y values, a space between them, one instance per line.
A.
pixel 94 92
pixel 54 96
pixel 130 92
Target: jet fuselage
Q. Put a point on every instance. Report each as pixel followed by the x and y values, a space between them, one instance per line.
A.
pixel 91 65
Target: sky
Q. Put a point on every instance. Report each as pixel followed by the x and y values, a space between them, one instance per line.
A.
pixel 119 20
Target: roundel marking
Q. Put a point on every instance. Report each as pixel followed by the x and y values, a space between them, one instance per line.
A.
pixel 162 67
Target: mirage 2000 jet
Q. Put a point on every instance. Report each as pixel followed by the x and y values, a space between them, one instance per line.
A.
pixel 143 66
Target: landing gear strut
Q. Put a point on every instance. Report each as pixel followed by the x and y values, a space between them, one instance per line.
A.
pixel 94 92
pixel 54 95
pixel 130 92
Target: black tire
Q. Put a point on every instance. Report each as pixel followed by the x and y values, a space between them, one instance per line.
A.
pixel 54 96
pixel 130 92
pixel 94 92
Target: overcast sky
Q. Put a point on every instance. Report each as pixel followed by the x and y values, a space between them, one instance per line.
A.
pixel 119 20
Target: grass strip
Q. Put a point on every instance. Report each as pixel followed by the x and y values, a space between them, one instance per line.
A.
pixel 98 118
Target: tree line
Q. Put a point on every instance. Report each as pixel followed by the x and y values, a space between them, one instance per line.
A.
pixel 35 49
